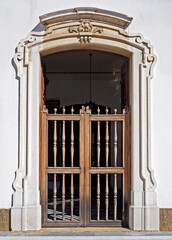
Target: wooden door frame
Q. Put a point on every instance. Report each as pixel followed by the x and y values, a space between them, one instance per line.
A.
pixel 85 171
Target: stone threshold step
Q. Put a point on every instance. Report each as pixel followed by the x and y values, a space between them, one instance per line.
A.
pixel 87 236
pixel 81 230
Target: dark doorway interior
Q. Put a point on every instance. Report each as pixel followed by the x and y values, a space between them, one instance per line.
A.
pixel 67 79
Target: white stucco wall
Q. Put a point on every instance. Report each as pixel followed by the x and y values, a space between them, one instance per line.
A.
pixel 152 18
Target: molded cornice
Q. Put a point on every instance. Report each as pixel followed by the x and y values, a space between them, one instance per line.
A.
pixel 100 15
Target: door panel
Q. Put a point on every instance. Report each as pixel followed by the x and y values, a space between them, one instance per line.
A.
pixel 83 168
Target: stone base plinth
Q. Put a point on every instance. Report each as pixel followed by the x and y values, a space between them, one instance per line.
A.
pixel 145 218
pixel 26 218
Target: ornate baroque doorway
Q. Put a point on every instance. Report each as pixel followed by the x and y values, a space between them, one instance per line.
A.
pixel 76 29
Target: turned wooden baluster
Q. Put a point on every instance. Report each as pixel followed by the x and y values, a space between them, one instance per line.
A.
pixel 98 165
pixel 72 157
pixel 107 157
pixel 55 164
pixel 55 140
pixel 55 197
pixel 107 139
pixel 98 140
pixel 63 140
pixel 107 197
pixel 72 196
pixel 63 176
pixel 63 196
pixel 115 165
pixel 115 140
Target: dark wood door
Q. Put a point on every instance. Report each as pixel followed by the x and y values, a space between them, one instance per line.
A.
pixel 83 168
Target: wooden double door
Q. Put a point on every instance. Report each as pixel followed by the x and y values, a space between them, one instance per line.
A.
pixel 84 177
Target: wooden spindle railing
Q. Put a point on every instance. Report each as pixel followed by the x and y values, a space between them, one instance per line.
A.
pixel 115 165
pixel 72 157
pixel 98 165
pixel 107 158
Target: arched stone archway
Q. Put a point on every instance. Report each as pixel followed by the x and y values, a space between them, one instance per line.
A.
pixel 84 28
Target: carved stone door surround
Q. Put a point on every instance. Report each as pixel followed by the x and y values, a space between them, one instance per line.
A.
pixel 84 28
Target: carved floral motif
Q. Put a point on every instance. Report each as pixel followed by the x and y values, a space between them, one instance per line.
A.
pixel 85 30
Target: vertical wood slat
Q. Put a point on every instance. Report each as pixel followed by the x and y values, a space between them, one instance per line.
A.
pixel 83 177
pixel 55 164
pixel 72 157
pixel 115 165
pixel 107 157
pixel 98 165
pixel 123 150
pixel 123 139
pixel 87 185
pixel 44 161
pixel 47 144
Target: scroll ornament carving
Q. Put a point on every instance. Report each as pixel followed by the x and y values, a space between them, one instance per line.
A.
pixel 19 57
pixel 85 30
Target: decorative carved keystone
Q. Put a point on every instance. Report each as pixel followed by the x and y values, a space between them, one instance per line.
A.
pixel 85 30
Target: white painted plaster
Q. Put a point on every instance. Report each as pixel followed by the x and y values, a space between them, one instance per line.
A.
pixel 151 18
